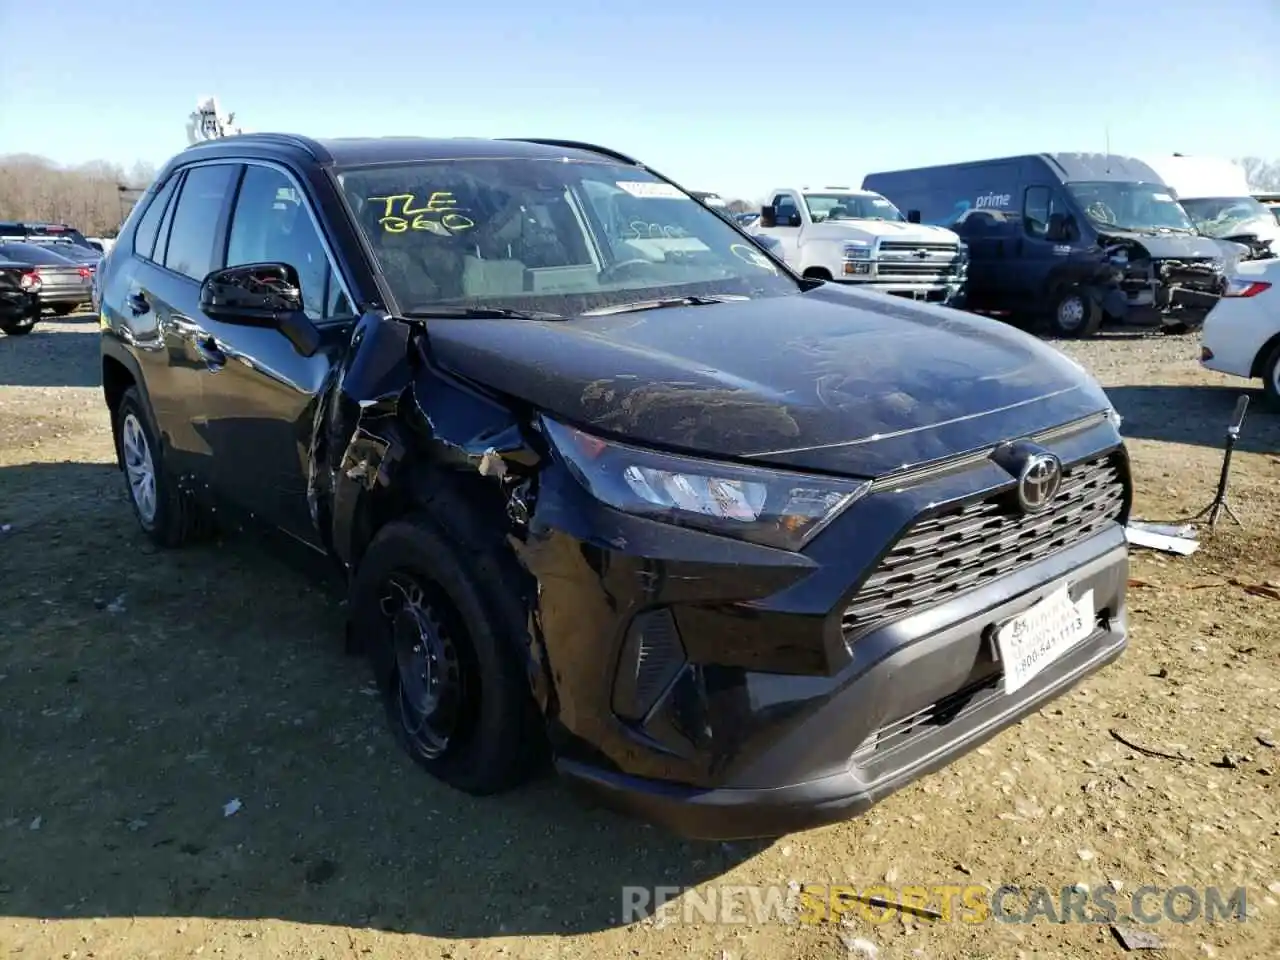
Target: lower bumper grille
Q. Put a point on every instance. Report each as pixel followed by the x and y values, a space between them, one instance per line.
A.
pixel 901 733
pixel 916 269
pixel 963 547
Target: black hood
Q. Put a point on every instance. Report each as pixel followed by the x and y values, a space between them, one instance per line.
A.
pixel 1166 246
pixel 832 380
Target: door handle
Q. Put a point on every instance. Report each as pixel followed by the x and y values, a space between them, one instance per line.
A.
pixel 211 353
pixel 138 304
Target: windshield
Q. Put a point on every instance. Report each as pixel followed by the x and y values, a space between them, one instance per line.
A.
pixel 548 236
pixel 1130 206
pixel 850 206
pixel 1228 216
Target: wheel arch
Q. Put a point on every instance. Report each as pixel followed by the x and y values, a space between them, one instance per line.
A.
pixel 120 372
pixel 1259 361
pixel 448 453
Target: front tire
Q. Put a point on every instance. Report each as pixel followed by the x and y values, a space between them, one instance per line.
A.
pixel 445 639
pixel 1075 314
pixel 165 514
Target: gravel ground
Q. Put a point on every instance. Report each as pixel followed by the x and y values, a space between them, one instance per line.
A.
pixel 143 691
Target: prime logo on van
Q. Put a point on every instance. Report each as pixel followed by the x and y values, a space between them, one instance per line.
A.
pixel 993 200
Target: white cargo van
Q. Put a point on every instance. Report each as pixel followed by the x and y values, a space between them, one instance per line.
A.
pixel 1215 193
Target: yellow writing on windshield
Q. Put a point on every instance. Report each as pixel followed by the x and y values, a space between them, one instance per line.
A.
pixel 440 214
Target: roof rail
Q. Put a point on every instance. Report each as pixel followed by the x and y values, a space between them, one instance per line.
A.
pixel 578 145
pixel 284 139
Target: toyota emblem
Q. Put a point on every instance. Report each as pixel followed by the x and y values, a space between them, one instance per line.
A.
pixel 1039 482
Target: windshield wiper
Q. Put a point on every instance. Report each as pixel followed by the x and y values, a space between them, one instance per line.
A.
pixel 660 304
pixel 480 313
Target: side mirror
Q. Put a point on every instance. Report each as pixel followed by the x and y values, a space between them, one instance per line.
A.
pixel 260 295
pixel 913 216
pixel 768 216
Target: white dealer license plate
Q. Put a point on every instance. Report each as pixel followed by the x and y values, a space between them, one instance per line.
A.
pixel 1034 639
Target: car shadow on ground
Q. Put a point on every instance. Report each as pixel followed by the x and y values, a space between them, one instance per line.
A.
pixel 184 736
pixel 1196 414
pixel 52 358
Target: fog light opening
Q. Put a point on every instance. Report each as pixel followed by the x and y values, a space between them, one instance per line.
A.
pixel 652 657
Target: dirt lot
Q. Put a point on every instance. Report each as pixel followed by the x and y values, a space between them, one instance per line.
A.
pixel 142 691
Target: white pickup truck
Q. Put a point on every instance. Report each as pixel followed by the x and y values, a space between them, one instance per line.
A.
pixel 856 236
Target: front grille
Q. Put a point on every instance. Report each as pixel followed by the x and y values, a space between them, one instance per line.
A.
pixel 964 547
pixel 910 246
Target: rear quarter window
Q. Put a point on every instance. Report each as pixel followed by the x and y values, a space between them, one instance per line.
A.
pixel 144 238
pixel 196 219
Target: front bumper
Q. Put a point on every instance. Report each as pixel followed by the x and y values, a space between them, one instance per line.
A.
pixel 1164 294
pixel 947 293
pixel 765 712
pixel 894 754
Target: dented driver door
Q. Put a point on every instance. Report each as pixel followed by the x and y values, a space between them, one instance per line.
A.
pixel 259 399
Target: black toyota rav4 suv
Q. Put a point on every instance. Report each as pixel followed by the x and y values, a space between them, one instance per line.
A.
pixel 609 486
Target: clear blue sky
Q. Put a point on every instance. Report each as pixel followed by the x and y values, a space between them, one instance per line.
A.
pixel 730 96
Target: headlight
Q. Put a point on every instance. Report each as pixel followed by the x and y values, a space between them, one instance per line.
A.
pixel 857 250
pixel 964 250
pixel 769 507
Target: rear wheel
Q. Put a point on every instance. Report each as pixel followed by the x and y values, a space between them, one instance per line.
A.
pixel 1271 378
pixel 165 514
pixel 1075 314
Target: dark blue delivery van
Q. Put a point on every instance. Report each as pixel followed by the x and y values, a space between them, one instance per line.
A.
pixel 1078 237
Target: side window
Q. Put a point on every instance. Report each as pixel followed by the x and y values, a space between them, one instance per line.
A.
pixel 1036 207
pixel 144 238
pixel 195 220
pixel 784 208
pixel 271 223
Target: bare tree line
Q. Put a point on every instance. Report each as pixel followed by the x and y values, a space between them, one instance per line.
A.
pixel 1264 176
pixel 87 196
